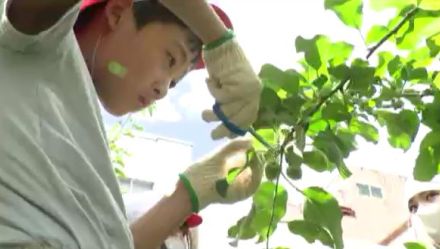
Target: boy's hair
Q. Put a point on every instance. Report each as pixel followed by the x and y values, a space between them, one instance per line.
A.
pixel 146 12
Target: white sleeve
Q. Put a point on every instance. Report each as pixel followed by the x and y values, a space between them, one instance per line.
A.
pixel 49 39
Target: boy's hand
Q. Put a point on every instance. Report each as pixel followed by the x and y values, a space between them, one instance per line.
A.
pixel 234 85
pixel 200 179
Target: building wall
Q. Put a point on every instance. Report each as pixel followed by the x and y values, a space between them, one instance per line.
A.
pixel 156 159
pixel 377 214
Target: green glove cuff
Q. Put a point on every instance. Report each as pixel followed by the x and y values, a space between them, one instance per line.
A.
pixel 192 193
pixel 228 35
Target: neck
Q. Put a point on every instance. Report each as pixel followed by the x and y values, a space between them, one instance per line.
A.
pixel 88 38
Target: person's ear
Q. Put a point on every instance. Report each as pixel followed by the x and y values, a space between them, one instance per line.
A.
pixel 114 11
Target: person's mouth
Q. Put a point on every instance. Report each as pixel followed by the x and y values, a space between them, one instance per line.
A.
pixel 144 101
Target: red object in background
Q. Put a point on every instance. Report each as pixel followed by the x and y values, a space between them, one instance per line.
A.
pixel 220 13
pixel 346 211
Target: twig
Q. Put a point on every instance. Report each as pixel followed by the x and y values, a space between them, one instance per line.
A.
pixel 341 85
pixel 277 183
pixel 408 16
pixel 291 184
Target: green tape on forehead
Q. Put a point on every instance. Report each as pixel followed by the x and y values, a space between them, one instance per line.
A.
pixel 117 69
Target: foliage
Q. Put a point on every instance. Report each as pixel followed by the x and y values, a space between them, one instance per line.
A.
pixel 312 117
pixel 125 127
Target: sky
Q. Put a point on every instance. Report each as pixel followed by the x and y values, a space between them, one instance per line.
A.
pixel 266 29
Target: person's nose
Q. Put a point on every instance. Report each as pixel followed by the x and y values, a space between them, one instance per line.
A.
pixel 161 87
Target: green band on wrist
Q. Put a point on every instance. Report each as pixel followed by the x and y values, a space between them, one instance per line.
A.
pixel 228 35
pixel 192 194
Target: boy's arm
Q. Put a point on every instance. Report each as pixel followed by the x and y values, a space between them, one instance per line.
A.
pixel 33 16
pixel 205 24
pixel 196 190
pixel 151 230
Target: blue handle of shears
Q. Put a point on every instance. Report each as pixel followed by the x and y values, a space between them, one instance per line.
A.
pixel 234 128
pixel 226 122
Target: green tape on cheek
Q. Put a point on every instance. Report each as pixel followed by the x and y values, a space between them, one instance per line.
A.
pixel 117 69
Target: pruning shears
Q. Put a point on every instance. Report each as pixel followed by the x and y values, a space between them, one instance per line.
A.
pixel 235 129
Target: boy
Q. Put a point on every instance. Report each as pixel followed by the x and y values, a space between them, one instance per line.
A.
pixel 57 187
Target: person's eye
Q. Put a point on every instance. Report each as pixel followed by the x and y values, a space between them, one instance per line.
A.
pixel 171 60
pixel 431 196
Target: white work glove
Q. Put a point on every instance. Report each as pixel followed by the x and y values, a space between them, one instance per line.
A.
pixel 200 179
pixel 234 85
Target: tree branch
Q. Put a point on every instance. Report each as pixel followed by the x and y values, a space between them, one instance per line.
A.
pixel 407 17
pixel 291 184
pixel 341 85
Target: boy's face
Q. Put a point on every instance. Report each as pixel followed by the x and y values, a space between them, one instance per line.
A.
pixel 135 67
pixel 424 198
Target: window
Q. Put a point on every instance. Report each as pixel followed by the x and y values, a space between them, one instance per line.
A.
pixel 363 189
pixel 369 190
pixel 376 192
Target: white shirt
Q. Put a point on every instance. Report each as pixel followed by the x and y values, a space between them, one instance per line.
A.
pixel 56 178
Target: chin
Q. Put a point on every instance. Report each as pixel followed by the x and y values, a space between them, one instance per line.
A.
pixel 117 112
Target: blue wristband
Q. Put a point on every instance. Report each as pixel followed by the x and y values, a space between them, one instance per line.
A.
pixel 228 124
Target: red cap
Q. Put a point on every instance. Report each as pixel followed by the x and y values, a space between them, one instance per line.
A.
pixel 220 13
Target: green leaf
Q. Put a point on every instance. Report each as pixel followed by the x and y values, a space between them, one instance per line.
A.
pixel 433 44
pixel 339 52
pixel 277 79
pixel 319 50
pixel 311 232
pixel 402 127
pixel 340 72
pixel 323 209
pixel 376 33
pixel 265 192
pixel 269 99
pixel 233 173
pixel 293 106
pixel 336 111
pixel 320 81
pixel 427 165
pixel 367 131
pixel 263 201
pixel 414 245
pixel 424 24
pixel 243 229
pixel 310 49
pixel 427 162
pixel 362 79
pixel 430 115
pixel 335 149
pixel 398 4
pixel 417 75
pixel 384 58
pixel 222 186
pixel 429 4
pixel 348 11
pixel 420 58
pixel 395 66
pixel 316 160
pixel 268 135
